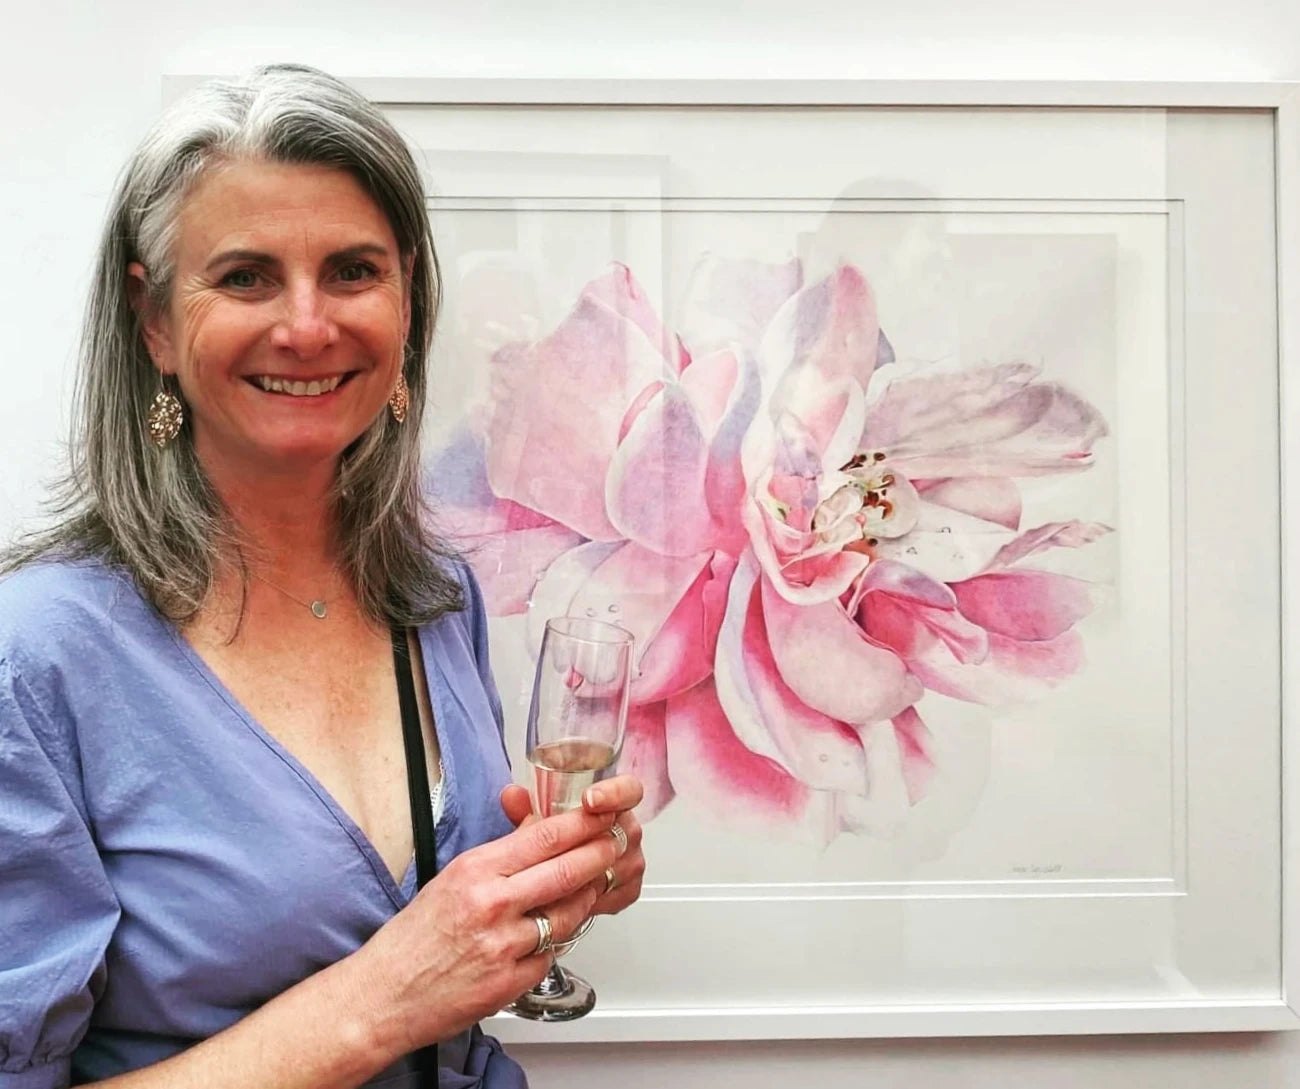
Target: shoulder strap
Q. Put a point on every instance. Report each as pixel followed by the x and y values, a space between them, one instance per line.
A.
pixel 417 779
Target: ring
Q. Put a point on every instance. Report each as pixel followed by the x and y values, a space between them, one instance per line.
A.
pixel 611 879
pixel 560 948
pixel 544 944
pixel 616 830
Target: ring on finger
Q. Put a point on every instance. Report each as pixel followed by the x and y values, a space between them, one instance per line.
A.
pixel 620 837
pixel 560 948
pixel 544 942
pixel 611 880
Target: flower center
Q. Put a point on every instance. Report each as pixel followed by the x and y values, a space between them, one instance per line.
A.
pixel 865 499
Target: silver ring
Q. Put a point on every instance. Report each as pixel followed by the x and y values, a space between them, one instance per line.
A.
pixel 616 830
pixel 544 943
pixel 611 879
pixel 560 948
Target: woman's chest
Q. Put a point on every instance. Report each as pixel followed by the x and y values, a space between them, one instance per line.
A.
pixel 332 704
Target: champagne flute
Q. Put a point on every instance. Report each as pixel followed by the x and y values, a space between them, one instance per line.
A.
pixel 575 733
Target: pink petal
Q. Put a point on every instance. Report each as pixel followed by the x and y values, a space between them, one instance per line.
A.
pixel 764 713
pixel 909 405
pixel 823 579
pixel 654 491
pixel 828 331
pixel 558 586
pixel 994 421
pixel 726 395
pixel 508 565
pixel 709 766
pixel 1026 605
pixel 914 744
pixel 645 755
pixel 947 544
pixel 1051 535
pixel 831 666
pixel 509 545
pixel 992 499
pixel 556 411
pixel 913 615
pixel 1013 673
pixel 648 594
pixel 710 384
pixel 681 654
pixel 619 290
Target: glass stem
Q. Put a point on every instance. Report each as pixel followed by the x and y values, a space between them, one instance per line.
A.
pixel 555 983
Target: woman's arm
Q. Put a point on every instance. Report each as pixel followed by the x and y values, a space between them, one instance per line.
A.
pixel 458 952
pixel 324 1033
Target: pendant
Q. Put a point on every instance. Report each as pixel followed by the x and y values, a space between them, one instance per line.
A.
pixel 318 610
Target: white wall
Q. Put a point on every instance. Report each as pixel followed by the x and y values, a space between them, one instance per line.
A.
pixel 81 79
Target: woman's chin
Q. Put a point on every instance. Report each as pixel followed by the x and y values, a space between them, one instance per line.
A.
pixel 302 456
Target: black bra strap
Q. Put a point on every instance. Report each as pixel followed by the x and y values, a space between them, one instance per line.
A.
pixel 417 778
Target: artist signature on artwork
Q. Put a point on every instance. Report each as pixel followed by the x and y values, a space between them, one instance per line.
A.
pixel 1038 869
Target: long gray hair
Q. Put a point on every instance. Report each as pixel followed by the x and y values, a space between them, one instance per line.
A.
pixel 154 512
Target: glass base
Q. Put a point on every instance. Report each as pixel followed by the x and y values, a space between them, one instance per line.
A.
pixel 560 996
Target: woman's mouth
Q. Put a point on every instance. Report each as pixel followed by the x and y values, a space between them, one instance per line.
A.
pixel 296 387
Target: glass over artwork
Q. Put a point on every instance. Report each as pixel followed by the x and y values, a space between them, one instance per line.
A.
pixel 928 454
pixel 845 543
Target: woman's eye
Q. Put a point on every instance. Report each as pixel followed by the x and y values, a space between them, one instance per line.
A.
pixel 356 272
pixel 241 278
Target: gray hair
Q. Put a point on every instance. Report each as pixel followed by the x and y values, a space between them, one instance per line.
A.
pixel 154 512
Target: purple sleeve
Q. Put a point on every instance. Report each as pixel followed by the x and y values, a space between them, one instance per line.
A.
pixel 476 612
pixel 57 909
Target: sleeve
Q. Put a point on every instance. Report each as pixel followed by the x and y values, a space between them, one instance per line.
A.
pixel 476 613
pixel 57 908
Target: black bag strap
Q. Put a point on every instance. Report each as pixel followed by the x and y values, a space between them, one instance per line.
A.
pixel 417 779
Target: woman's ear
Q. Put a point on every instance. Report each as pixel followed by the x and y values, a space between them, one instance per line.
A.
pixel 152 325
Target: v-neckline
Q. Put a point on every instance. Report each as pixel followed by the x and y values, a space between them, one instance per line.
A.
pixel 400 893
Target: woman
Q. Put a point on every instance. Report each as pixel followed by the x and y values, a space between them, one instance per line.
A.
pixel 205 828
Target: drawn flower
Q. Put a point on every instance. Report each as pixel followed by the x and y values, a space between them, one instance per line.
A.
pixel 803 534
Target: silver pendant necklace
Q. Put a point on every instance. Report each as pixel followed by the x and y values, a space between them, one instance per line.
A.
pixel 319 608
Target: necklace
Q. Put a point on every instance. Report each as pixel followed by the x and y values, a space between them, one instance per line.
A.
pixel 318 606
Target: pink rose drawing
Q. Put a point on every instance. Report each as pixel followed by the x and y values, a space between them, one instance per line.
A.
pixel 804 535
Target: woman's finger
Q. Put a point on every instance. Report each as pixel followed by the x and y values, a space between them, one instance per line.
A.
pixel 540 840
pixel 517 805
pixel 620 885
pixel 613 795
pixel 625 888
pixel 565 874
pixel 563 918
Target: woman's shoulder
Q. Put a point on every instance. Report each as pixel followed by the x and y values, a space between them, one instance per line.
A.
pixel 49 606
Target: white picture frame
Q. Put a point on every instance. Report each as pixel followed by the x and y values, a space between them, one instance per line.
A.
pixel 1173 1002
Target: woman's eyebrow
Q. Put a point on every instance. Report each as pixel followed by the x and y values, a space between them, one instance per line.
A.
pixel 252 257
pixel 256 257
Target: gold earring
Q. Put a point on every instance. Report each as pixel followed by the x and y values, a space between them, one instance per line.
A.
pixel 400 399
pixel 165 417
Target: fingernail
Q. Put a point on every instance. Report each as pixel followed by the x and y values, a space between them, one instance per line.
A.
pixel 591 798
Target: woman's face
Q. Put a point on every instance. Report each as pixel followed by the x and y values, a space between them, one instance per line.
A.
pixel 287 320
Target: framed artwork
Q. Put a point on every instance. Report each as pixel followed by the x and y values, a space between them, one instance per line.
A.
pixel 931 440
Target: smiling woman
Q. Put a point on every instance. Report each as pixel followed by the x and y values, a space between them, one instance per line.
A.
pixel 208 842
pixel 288 280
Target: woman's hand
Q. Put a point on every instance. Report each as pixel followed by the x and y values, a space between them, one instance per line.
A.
pixel 618 795
pixel 464 947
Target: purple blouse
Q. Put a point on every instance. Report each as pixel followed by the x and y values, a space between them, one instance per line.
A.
pixel 166 866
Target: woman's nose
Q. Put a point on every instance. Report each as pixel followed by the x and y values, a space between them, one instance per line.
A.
pixel 305 327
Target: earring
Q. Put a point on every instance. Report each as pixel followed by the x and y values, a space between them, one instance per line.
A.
pixel 165 417
pixel 400 399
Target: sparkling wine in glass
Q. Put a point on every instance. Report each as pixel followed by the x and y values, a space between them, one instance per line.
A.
pixel 575 733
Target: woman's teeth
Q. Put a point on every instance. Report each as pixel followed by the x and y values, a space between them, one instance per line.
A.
pixel 297 389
